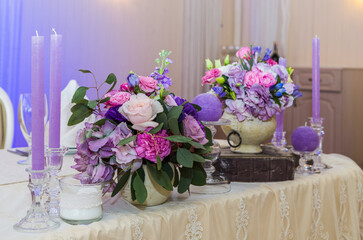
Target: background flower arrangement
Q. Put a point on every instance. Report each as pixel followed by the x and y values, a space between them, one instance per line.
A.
pixel 255 86
pixel 142 123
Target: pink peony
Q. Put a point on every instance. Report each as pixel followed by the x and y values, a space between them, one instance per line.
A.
pixel 267 79
pixel 140 110
pixel 244 53
pixel 211 76
pixel 193 129
pixel 271 62
pixel 251 78
pixel 148 146
pixel 148 84
pixel 125 87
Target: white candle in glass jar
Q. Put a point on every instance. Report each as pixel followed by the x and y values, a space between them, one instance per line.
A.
pixel 80 203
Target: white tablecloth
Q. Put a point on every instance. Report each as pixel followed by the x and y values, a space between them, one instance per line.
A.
pixel 325 206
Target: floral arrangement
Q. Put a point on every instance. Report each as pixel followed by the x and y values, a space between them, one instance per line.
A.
pixel 254 87
pixel 141 124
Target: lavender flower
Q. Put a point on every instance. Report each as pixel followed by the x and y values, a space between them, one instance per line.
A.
pixel 162 78
pixel 267 55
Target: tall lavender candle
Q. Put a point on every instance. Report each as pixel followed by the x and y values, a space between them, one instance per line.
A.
pixel 37 87
pixel 55 89
pixel 279 125
pixel 316 78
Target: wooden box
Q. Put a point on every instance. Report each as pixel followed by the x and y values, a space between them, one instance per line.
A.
pixel 269 166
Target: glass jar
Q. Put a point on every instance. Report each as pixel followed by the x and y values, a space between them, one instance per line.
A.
pixel 80 203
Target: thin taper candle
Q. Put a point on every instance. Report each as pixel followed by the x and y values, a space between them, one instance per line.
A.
pixel 316 78
pixel 55 89
pixel 279 125
pixel 37 88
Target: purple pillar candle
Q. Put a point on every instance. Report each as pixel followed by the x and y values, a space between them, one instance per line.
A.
pixel 279 125
pixel 37 87
pixel 316 78
pixel 55 89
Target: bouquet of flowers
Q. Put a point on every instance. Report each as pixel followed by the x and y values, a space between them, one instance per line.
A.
pixel 254 87
pixel 141 124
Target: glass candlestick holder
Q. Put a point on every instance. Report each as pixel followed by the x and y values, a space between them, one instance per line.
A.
pixel 215 183
pixel 279 141
pixel 54 161
pixel 317 125
pixel 37 218
pixel 304 168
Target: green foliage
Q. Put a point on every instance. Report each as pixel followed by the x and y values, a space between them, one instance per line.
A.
pixel 184 157
pixel 226 60
pixel 186 175
pixel 127 140
pixel 209 64
pixel 160 176
pixel 121 183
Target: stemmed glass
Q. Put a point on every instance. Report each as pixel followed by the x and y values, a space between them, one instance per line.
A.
pixel 25 121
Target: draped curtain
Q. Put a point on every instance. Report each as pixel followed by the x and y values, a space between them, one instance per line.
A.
pixel 261 22
pixel 200 40
pixel 10 35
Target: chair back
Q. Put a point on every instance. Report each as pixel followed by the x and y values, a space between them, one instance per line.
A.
pixel 6 120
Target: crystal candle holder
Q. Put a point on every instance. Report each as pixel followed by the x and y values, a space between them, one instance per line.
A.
pixel 317 125
pixel 80 203
pixel 279 141
pixel 37 218
pixel 54 161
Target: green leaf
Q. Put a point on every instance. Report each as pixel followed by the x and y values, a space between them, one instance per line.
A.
pixel 78 106
pixel 175 112
pixel 197 107
pixel 208 135
pixel 84 71
pixel 202 152
pixel 168 169
pixel 140 189
pixel 105 100
pixel 156 129
pixel 161 177
pixel 179 138
pixel 197 145
pixel 92 104
pixel 111 78
pixel 176 178
pixel 100 122
pixel 184 157
pixel 199 175
pixel 80 113
pixel 121 183
pixel 217 63
pixel 226 60
pixel 186 175
pixel 162 118
pixel 174 126
pixel 127 140
pixel 139 172
pixel 79 94
pixel 208 64
pixel 158 161
pixel 198 158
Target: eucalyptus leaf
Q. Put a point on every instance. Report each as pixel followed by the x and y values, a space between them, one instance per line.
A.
pixel 175 112
pixel 111 78
pixel 168 169
pixel 176 178
pixel 199 175
pixel 198 158
pixel 158 162
pixel 121 183
pixel 186 176
pixel 84 71
pixel 197 145
pixel 79 94
pixel 184 157
pixel 92 104
pixel 104 100
pixel 161 177
pixel 197 107
pixel 162 118
pixel 156 129
pixel 174 126
pixel 127 140
pixel 179 138
pixel 140 189
pixel 82 112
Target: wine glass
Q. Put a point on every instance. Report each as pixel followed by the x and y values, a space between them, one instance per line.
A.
pixel 25 121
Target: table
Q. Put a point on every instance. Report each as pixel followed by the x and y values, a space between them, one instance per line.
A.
pixel 324 206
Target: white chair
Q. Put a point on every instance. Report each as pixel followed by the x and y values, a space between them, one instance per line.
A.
pixel 6 120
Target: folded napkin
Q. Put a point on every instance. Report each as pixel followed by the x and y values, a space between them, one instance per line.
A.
pixel 68 133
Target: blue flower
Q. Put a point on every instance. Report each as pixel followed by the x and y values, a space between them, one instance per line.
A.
pixel 133 80
pixel 279 85
pixel 219 90
pixel 278 94
pixel 257 49
pixel 267 55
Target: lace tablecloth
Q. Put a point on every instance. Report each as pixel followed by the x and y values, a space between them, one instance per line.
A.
pixel 324 206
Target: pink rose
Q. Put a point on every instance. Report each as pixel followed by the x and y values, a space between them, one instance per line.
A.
pixel 211 76
pixel 271 62
pixel 251 78
pixel 244 53
pixel 267 79
pixel 193 129
pixel 140 110
pixel 147 84
pixel 117 98
pixel 125 87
